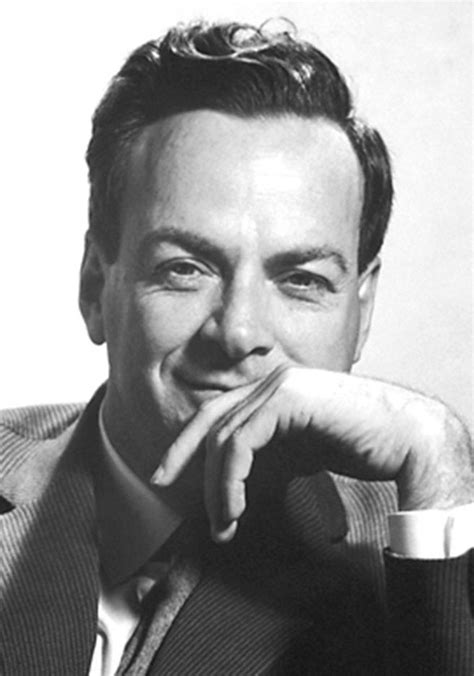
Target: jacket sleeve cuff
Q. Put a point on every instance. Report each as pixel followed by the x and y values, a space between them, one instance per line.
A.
pixel 430 604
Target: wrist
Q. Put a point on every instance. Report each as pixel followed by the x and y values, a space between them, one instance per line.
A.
pixel 437 472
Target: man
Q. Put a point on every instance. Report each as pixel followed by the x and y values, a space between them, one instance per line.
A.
pixel 221 505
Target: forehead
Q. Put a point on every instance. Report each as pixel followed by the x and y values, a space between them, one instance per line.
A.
pixel 208 170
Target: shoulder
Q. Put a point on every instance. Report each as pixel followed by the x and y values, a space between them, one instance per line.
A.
pixel 37 422
pixel 31 441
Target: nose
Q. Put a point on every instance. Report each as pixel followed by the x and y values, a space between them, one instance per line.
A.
pixel 240 324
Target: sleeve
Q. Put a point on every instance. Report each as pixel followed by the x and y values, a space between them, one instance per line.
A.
pixel 430 615
pixel 429 601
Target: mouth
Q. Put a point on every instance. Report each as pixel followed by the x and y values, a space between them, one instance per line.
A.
pixel 204 388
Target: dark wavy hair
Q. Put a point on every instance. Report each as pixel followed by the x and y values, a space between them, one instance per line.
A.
pixel 236 69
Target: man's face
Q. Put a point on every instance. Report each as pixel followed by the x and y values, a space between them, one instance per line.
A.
pixel 238 254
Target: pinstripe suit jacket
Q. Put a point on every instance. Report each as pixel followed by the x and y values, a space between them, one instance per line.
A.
pixel 301 590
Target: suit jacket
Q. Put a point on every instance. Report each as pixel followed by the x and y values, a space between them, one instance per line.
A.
pixel 303 588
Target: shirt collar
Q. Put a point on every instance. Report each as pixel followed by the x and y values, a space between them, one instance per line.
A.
pixel 134 522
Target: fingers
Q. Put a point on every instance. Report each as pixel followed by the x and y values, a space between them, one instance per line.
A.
pixel 228 468
pixel 181 451
pixel 230 445
pixel 217 419
pixel 224 490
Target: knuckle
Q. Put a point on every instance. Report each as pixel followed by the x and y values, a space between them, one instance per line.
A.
pixel 229 486
pixel 237 441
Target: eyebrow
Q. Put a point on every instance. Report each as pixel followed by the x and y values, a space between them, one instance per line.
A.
pixel 201 246
pixel 299 256
pixel 186 240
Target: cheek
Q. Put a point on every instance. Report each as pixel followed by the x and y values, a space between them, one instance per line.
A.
pixel 161 325
pixel 325 339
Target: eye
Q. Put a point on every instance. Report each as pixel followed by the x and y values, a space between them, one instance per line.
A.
pixel 305 284
pixel 183 269
pixel 180 275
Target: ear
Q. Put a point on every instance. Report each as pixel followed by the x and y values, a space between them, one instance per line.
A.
pixel 91 289
pixel 367 288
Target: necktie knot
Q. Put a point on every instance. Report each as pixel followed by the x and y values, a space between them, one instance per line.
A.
pixel 151 574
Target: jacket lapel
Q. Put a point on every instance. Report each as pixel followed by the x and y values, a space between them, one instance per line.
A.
pixel 227 628
pixel 50 560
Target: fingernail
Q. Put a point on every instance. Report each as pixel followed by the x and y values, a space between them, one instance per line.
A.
pixel 223 535
pixel 158 475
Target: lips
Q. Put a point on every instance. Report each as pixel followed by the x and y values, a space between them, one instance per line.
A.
pixel 215 385
pixel 205 386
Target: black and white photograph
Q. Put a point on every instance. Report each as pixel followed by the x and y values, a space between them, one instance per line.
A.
pixel 236 401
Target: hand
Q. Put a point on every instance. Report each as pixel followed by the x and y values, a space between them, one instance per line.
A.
pixel 372 430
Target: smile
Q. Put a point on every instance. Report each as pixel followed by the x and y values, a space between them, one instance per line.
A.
pixel 207 388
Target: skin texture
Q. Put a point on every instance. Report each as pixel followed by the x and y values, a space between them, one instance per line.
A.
pixel 235 310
